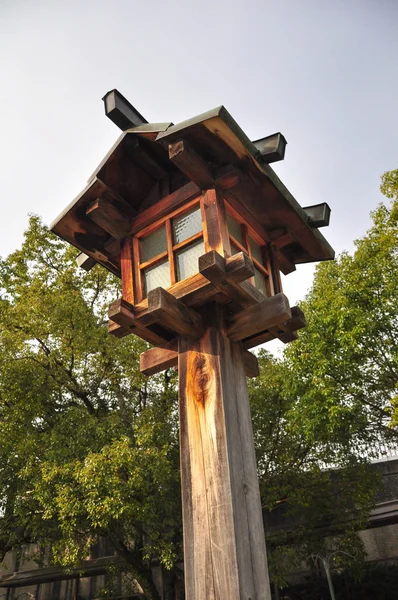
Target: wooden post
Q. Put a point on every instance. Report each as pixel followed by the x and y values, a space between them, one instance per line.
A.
pixel 224 545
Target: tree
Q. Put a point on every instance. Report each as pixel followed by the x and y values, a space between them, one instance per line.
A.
pixel 335 395
pixel 346 361
pixel 88 445
pixel 319 489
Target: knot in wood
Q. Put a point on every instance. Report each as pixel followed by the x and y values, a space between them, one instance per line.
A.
pixel 201 378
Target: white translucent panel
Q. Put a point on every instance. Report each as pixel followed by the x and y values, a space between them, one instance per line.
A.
pixel 157 276
pixel 260 283
pixel 187 225
pixel 153 244
pixel 235 229
pixel 256 251
pixel 187 260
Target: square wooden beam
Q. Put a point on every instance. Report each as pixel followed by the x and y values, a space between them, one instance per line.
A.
pixel 252 320
pixel 172 314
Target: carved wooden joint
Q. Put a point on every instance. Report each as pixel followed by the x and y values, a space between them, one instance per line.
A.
pixel 155 360
pixel 172 314
pixel 229 277
pixel 191 164
pixel 121 313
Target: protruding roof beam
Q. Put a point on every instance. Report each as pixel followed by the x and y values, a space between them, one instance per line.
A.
pixel 272 148
pixel 119 110
pixel 319 214
pixel 85 262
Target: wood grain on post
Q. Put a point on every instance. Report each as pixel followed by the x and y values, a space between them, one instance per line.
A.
pixel 224 544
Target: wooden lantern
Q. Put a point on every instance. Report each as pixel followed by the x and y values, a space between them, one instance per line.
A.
pixel 198 226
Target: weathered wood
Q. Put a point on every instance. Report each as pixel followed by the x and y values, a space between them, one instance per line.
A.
pixel 214 222
pixel 218 270
pixel 172 314
pixel 126 268
pixel 113 247
pixel 256 340
pixel 265 314
pixel 228 276
pixel 191 164
pixel 287 334
pixel 142 157
pixel 121 312
pixel 85 262
pixel 105 214
pixel 250 364
pixel 240 267
pixel 283 240
pixel 226 177
pixel 159 359
pixel 224 545
pixel 117 330
pixel 297 320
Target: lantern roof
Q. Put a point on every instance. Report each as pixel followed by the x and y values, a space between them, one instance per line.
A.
pixel 132 176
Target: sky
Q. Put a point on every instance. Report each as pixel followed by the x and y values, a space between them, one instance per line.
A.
pixel 323 72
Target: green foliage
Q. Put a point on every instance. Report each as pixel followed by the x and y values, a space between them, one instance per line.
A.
pixel 312 508
pixel 88 445
pixel 346 360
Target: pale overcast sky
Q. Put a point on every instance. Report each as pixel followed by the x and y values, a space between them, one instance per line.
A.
pixel 323 72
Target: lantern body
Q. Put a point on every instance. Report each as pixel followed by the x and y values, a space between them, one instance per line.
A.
pixel 166 196
pixel 198 226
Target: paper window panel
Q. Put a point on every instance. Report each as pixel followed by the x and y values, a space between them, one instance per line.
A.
pixel 157 276
pixel 234 229
pixel 260 282
pixel 153 244
pixel 187 225
pixel 187 260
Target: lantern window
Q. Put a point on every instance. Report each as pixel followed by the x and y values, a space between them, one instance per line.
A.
pixel 154 244
pixel 235 229
pixel 187 225
pixel 244 239
pixel 157 276
pixel 187 259
pixel 168 251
